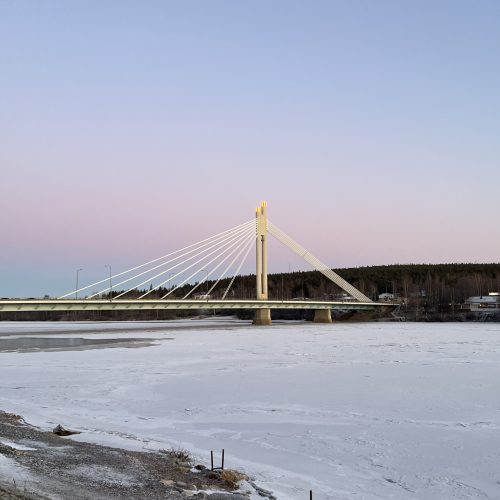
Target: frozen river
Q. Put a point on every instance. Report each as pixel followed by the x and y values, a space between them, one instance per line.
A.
pixel 351 411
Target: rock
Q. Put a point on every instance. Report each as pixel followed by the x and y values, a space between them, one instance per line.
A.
pixel 262 492
pixel 61 431
pixel 181 484
pixel 200 467
pixel 7 450
pixel 200 496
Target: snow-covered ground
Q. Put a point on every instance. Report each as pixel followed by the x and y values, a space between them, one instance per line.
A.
pixel 351 411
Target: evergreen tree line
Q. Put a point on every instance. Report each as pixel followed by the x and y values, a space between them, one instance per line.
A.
pixel 434 284
pixel 425 291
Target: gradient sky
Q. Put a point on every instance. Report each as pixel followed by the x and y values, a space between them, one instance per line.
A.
pixel 131 128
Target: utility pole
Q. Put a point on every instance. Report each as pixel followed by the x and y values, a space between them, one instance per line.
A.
pixel 169 277
pixel 110 284
pixel 76 288
pixel 206 281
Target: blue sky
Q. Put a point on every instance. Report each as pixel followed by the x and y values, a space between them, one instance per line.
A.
pixel 129 129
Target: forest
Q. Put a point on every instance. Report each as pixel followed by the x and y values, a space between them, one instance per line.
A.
pixel 427 292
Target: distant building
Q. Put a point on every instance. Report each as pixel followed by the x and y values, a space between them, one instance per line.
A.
pixel 202 296
pixel 386 297
pixel 485 303
pixel 344 297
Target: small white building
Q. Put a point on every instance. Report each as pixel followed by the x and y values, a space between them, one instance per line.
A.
pixel 485 303
pixel 386 297
pixel 202 296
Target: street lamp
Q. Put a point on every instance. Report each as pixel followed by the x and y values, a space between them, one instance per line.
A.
pixel 169 276
pixel 76 288
pixel 110 283
pixel 206 280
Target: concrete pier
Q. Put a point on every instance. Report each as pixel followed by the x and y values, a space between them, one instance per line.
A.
pixel 262 317
pixel 322 316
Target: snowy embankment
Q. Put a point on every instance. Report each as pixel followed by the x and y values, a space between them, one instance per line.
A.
pixel 354 411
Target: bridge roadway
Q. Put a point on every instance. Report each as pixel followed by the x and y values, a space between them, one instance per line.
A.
pixel 143 304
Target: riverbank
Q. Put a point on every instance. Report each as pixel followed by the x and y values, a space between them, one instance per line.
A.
pixel 37 464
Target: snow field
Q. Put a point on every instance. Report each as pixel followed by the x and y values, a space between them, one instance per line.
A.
pixel 351 411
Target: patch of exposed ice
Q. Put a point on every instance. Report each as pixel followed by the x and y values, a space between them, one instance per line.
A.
pixel 12 473
pixel 16 446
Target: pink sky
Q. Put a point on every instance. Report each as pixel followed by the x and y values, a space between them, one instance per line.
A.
pixel 128 134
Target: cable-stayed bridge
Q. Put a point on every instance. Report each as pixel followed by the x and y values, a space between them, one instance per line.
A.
pixel 218 260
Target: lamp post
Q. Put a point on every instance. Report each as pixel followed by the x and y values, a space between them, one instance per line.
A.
pixel 169 276
pixel 206 280
pixel 76 288
pixel 110 283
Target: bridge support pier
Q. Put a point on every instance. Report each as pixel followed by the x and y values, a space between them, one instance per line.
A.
pixel 262 317
pixel 322 316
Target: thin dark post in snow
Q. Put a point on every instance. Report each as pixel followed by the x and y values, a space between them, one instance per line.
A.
pixel 212 461
pixel 310 494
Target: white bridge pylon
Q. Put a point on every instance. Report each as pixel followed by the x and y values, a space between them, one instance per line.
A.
pixel 264 226
pixel 210 260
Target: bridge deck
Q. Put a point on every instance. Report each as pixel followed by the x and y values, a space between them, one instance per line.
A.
pixel 131 304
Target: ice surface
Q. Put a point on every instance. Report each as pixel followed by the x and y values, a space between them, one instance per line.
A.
pixel 351 411
pixel 16 446
pixel 13 474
